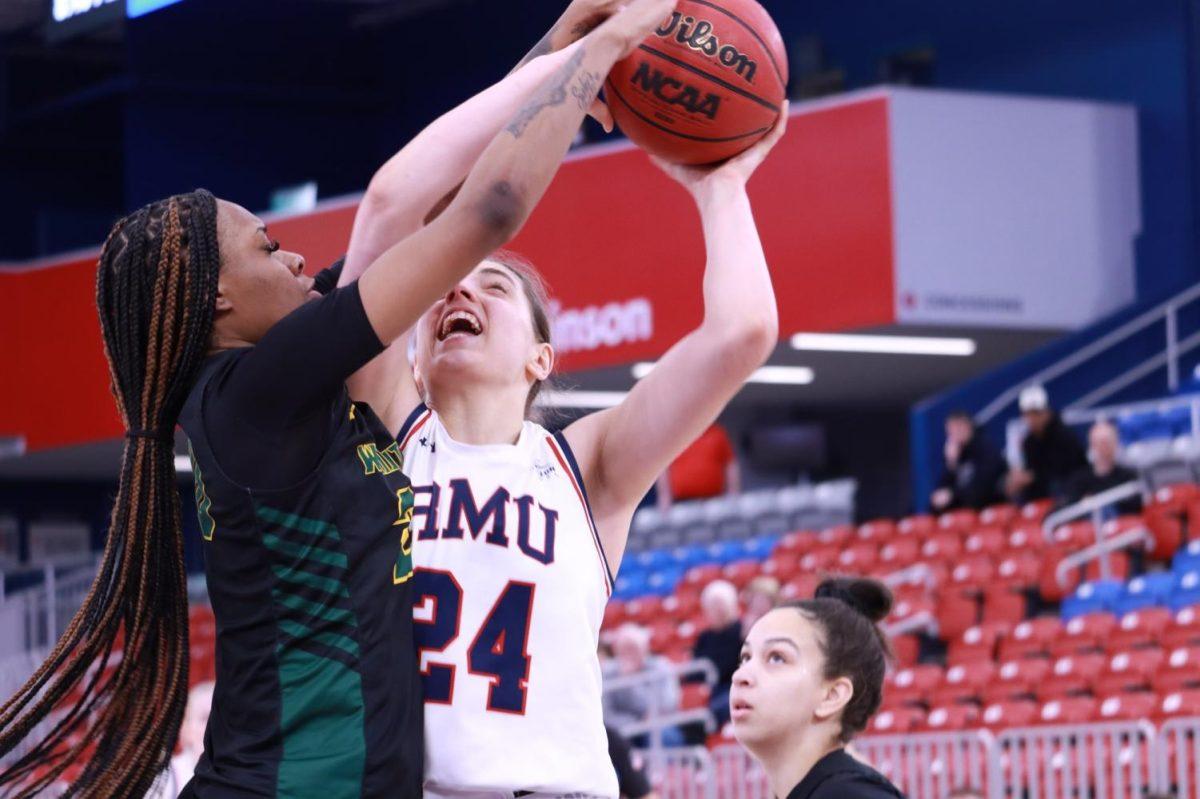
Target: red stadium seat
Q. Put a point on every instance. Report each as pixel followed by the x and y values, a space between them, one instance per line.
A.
pixel 1129 671
pixel 1178 703
pixel 783 566
pixel 942 547
pixel 1118 563
pixel 1026 537
pixel 1014 713
pixel 963 683
pixel 1127 706
pixel 1180 670
pixel 1121 524
pixel 614 614
pixel 1003 604
pixel 858 558
pixel 796 543
pixel 741 572
pixel 1071 674
pixel 947 718
pixel 1083 634
pixel 907 608
pixel 899 553
pixel 897 720
pixel 877 530
pixel 1069 710
pixel 976 643
pixel 972 573
pixel 693 696
pixel 1075 535
pixel 1142 627
pixel 836 536
pixel 958 521
pixel 999 515
pixel 802 586
pixel 917 526
pixel 956 614
pixel 681 606
pixel 1031 638
pixel 820 559
pixel 912 685
pixel 701 576
pixel 907 648
pixel 1018 570
pixel 1048 585
pixel 985 541
pixel 1184 629
pixel 644 610
pixel 1015 678
pixel 1036 511
pixel 679 654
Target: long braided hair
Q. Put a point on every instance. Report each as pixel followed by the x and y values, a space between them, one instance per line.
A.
pixel 119 716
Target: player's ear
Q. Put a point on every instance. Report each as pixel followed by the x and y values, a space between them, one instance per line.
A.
pixel 541 364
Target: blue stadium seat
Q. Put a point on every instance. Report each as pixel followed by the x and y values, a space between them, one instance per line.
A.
pixel 653 559
pixel 1179 419
pixel 1146 591
pixel 1187 558
pixel 1187 590
pixel 663 581
pixel 1096 595
pixel 724 552
pixel 695 555
pixel 630 585
pixel 758 548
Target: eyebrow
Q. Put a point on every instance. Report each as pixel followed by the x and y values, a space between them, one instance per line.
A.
pixel 782 640
pixel 499 272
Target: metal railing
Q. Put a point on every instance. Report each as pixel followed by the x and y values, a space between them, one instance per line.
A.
pixel 1094 508
pixel 33 618
pixel 1166 313
pixel 659 718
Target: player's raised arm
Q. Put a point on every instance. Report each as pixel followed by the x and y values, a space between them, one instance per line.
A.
pixel 623 449
pixel 507 181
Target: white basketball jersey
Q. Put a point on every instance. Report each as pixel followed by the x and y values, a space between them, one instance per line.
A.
pixel 510 588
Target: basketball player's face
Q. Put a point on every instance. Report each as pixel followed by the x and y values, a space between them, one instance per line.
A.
pixel 779 690
pixel 259 283
pixel 483 331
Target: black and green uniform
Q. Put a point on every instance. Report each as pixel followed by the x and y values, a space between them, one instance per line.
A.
pixel 305 516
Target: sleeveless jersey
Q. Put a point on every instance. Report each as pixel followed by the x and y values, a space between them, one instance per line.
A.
pixel 316 681
pixel 509 593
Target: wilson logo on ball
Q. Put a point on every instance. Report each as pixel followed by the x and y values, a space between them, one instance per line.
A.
pixel 675 92
pixel 701 39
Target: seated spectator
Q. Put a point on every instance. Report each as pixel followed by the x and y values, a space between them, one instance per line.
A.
pixel 720 643
pixel 973 468
pixel 1050 450
pixel 758 597
pixel 707 468
pixel 1104 472
pixel 655 695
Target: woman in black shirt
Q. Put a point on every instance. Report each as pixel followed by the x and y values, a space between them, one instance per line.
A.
pixel 811 677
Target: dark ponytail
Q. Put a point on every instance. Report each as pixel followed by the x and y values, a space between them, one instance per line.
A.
pixel 156 290
pixel 848 611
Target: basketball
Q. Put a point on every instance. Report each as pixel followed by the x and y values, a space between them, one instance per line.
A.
pixel 706 85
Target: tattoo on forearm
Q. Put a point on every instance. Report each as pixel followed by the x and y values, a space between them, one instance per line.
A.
pixel 586 88
pixel 553 93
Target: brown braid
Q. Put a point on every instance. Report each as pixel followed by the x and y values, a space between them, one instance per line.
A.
pixel 156 290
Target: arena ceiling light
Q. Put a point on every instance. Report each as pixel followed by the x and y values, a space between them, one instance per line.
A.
pixel 774 375
pixel 888 345
pixel 580 399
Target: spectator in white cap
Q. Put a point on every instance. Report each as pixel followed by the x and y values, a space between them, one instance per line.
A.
pixel 1051 452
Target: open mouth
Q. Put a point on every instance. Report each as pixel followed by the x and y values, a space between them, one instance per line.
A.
pixel 459 321
pixel 740 708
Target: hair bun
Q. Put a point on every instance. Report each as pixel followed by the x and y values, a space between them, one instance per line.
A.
pixel 871 598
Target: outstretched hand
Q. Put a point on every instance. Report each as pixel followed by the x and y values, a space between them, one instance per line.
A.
pixel 739 168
